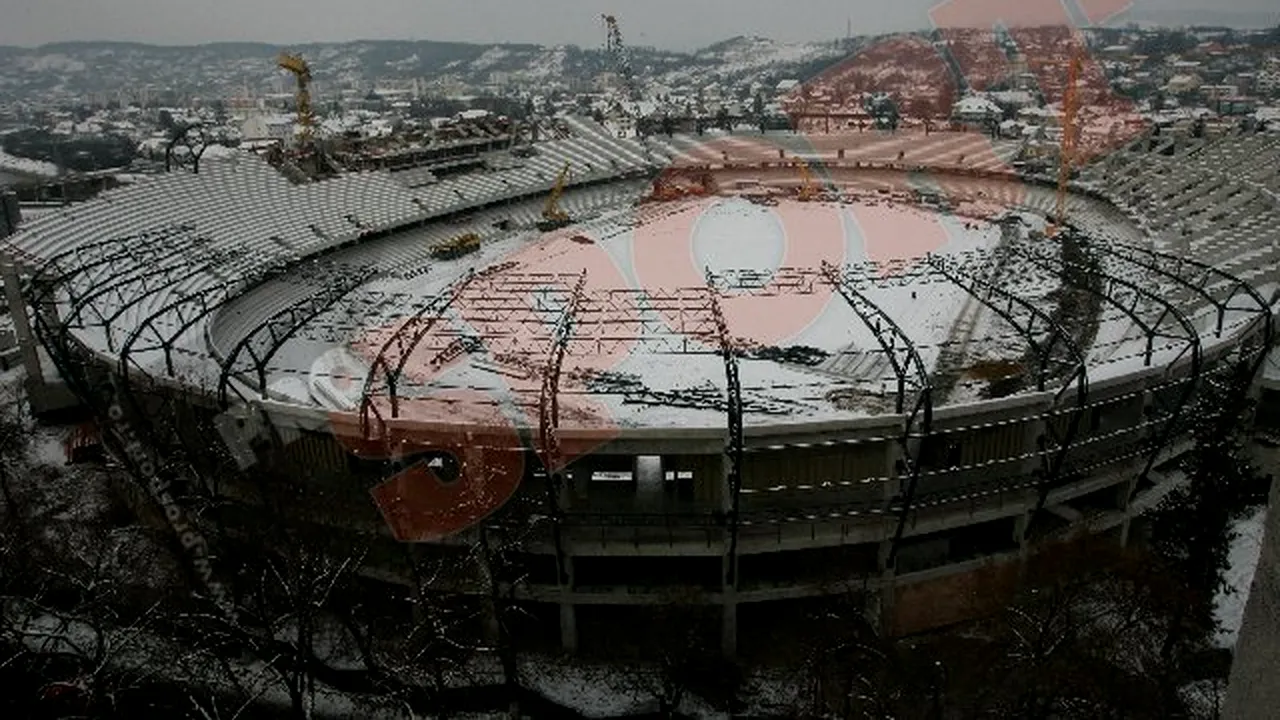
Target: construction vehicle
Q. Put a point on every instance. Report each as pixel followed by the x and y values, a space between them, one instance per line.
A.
pixel 456 247
pixel 553 218
pixel 1067 150
pixel 302 72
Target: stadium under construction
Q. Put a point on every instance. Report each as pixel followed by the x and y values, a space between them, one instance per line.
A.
pixel 733 371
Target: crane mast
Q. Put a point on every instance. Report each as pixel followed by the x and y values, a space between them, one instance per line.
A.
pixel 1070 133
pixel 302 73
pixel 615 46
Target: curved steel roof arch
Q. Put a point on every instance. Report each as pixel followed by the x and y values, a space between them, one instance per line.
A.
pixel 908 366
pixel 132 276
pixel 175 276
pixel 1157 257
pixel 288 321
pixel 51 274
pixel 207 300
pixel 416 326
pixel 734 413
pixel 549 419
pixel 1024 319
pixel 1191 338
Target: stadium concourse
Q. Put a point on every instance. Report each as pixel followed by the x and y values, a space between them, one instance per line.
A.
pixel 850 362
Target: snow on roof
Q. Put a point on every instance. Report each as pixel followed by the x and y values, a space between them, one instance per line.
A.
pixel 976 105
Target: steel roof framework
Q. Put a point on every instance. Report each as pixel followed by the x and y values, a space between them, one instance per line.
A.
pixel 1059 351
pixel 1171 324
pixel 185 312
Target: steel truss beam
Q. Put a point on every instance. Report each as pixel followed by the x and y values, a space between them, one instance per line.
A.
pixel 1033 323
pixel 549 420
pixel 910 371
pixel 733 450
pixel 1189 336
pixel 267 337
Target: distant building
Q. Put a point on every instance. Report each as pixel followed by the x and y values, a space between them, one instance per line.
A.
pixel 268 126
pixel 976 109
pixel 1267 81
pixel 1183 83
pixel 1013 99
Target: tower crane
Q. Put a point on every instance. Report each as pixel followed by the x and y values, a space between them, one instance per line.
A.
pixel 1070 133
pixel 553 217
pixel 302 72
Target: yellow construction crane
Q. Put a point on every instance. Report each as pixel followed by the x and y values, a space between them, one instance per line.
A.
pixel 808 189
pixel 1070 132
pixel 302 72
pixel 553 217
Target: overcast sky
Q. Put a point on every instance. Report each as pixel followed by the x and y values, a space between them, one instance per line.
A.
pixel 675 24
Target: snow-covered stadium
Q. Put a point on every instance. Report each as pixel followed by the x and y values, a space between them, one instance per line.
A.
pixel 830 363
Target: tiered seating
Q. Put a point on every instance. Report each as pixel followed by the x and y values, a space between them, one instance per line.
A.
pixel 1208 199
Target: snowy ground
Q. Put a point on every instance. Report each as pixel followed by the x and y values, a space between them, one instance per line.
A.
pixel 25 166
pixel 1229 605
pixel 658 247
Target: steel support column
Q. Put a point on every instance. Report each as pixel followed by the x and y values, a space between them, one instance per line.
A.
pixel 549 421
pixel 909 370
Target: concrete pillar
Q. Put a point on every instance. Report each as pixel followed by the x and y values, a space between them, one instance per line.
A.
pixel 21 323
pixel 1020 525
pixel 1252 689
pixel 1035 430
pixel 650 493
pixel 729 626
pixel 882 553
pixel 568 611
pixel 888 580
pixel 892 455
pixel 577 481
pixel 726 486
pixel 1125 527
pixel 568 626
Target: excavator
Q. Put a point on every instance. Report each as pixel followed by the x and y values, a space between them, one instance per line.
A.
pixel 456 247
pixel 808 191
pixel 553 218
pixel 679 183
